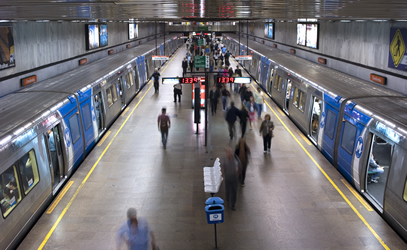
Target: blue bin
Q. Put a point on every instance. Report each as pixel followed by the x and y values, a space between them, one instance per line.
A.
pixel 214 210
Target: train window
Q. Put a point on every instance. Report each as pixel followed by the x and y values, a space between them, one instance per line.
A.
pixel 303 97
pixel 405 192
pixel 86 116
pixel 74 126
pixel 348 137
pixel 10 194
pixel 296 97
pixel 271 75
pixel 114 92
pixel 278 83
pixel 129 80
pixel 29 171
pixel 330 124
pixel 109 97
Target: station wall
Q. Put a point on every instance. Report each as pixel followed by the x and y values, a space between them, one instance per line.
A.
pixel 60 46
pixel 355 48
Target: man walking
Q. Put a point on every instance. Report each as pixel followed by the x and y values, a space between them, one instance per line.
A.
pixel 156 77
pixel 184 66
pixel 230 169
pixel 231 116
pixel 164 124
pixel 177 92
pixel 214 97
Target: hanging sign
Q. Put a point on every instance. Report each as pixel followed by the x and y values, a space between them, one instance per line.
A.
pixel 244 57
pixel 161 58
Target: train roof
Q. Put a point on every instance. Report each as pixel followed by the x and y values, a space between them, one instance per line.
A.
pixel 80 77
pixel 333 81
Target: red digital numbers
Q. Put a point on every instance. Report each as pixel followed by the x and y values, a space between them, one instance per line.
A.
pixel 189 80
pixel 224 79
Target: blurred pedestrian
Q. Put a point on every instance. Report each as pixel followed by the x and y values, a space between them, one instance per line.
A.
pixel 230 169
pixel 266 130
pixel 259 100
pixel 213 98
pixel 244 116
pixel 156 77
pixel 242 151
pixel 135 232
pixel 164 124
pixel 177 91
pixel 225 94
pixel 242 92
pixel 184 66
pixel 252 109
pixel 191 64
pixel 231 116
pixel 246 98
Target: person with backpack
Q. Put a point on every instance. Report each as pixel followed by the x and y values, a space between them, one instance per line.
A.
pixel 164 124
pixel 156 77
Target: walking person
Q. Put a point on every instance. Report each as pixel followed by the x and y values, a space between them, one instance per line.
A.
pixel 252 108
pixel 244 116
pixel 231 117
pixel 266 130
pixel 225 94
pixel 242 92
pixel 259 100
pixel 211 65
pixel 191 64
pixel 187 44
pixel 184 66
pixel 213 98
pixel 177 91
pixel 156 77
pixel 247 96
pixel 135 232
pixel 230 168
pixel 164 124
pixel 242 151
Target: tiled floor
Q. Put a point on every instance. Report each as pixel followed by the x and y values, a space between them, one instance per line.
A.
pixel 287 202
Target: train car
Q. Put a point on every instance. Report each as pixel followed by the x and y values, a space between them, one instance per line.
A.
pixel 50 127
pixel 351 121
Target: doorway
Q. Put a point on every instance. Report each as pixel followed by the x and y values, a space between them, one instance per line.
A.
pixel 57 159
pixel 121 83
pixel 98 104
pixel 287 96
pixel 316 114
pixel 378 167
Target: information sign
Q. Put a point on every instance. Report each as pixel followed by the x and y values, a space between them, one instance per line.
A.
pixel 161 58
pixel 244 57
pixel 201 62
pixel 201 42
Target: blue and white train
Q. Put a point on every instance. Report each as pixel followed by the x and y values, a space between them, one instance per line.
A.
pixel 348 119
pixel 49 128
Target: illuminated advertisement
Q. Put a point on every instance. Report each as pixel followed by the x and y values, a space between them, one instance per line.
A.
pixel 103 35
pixel 266 29
pixel 301 33
pixel 133 30
pixel 7 57
pixel 202 84
pixel 270 33
pixel 312 35
pixel 93 36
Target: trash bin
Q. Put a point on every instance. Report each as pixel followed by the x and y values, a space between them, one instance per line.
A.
pixel 214 210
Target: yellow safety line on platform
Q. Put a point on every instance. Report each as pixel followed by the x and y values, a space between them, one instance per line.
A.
pixel 332 183
pixel 104 138
pixel 60 196
pixel 125 111
pixel 356 194
pixel 304 138
pixel 139 93
pixel 281 112
pixel 94 166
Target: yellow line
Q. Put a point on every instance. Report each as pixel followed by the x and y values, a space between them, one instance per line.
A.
pixel 356 194
pixel 139 93
pixel 104 138
pixel 303 137
pixel 125 111
pixel 90 172
pixel 333 184
pixel 58 199
pixel 281 112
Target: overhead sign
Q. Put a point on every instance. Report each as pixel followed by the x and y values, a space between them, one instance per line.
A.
pixel 201 42
pixel 204 28
pixel 397 49
pixel 186 80
pixel 378 79
pixel 184 37
pixel 225 79
pixel 244 57
pixel 201 62
pixel 161 58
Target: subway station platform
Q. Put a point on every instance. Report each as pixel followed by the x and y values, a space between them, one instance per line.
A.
pixel 292 199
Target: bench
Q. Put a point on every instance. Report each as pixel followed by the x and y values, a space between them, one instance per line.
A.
pixel 212 178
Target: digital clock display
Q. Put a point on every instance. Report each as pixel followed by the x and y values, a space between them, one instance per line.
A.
pixel 190 80
pixel 224 79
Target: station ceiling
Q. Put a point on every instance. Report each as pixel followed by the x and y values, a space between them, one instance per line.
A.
pixel 202 10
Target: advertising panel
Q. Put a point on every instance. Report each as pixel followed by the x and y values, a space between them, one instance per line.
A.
pixel 6 48
pixel 312 35
pixel 266 29
pixel 131 31
pixel 103 35
pixel 271 30
pixel 93 36
pixel 301 33
pixel 397 49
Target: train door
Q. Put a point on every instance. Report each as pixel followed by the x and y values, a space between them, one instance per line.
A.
pixel 377 168
pixel 148 70
pixel 57 164
pixel 75 131
pixel 328 123
pixel 99 111
pixel 270 82
pixel 287 96
pixel 315 117
pixel 121 82
pixel 136 79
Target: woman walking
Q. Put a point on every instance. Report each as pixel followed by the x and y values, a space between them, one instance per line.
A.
pixel 252 108
pixel 266 130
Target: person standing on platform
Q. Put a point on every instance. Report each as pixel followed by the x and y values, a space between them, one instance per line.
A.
pixel 225 93
pixel 164 124
pixel 156 77
pixel 231 117
pixel 177 91
pixel 135 233
pixel 259 100
pixel 238 71
pixel 230 169
pixel 214 97
pixel 242 151
pixel 211 64
pixel 191 64
pixel 184 66
pixel 266 130
pixel 244 116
